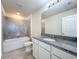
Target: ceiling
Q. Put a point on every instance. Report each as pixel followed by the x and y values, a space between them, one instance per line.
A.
pixel 25 7
pixel 62 6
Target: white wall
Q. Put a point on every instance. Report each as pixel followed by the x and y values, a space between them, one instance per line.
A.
pixel 36 24
pixel 2 10
pixel 53 24
pixel 36 21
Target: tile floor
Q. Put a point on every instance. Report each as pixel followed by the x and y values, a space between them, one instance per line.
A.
pixel 18 54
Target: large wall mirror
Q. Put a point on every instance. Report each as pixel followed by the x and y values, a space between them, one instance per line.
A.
pixel 60 21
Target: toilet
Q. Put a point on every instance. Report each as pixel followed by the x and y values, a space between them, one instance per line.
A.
pixel 28 46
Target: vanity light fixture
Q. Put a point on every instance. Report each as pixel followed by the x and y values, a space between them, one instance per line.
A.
pixel 53 2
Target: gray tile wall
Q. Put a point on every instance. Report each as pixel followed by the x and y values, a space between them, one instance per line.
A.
pixel 13 29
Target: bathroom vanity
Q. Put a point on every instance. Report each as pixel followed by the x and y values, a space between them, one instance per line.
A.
pixel 47 48
pixel 61 30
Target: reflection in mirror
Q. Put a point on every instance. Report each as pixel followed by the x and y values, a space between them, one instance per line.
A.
pixel 60 19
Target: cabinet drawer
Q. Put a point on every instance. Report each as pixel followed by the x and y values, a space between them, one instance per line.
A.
pixel 43 54
pixel 55 57
pixel 44 45
pixel 35 40
pixel 60 53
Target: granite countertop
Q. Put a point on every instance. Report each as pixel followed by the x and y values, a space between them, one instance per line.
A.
pixel 68 46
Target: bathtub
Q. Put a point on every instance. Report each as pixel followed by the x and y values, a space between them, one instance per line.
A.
pixel 15 43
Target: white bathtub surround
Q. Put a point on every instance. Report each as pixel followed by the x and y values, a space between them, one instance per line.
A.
pixel 15 43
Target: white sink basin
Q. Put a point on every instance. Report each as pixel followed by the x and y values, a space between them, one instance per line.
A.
pixel 48 39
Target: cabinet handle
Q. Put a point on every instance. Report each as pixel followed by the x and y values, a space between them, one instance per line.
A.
pixel 57 56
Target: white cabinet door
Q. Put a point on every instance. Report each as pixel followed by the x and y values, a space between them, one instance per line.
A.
pixel 36 50
pixel 43 54
pixel 69 25
pixel 62 54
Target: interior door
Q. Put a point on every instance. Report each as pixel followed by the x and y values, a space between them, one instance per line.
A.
pixel 69 25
